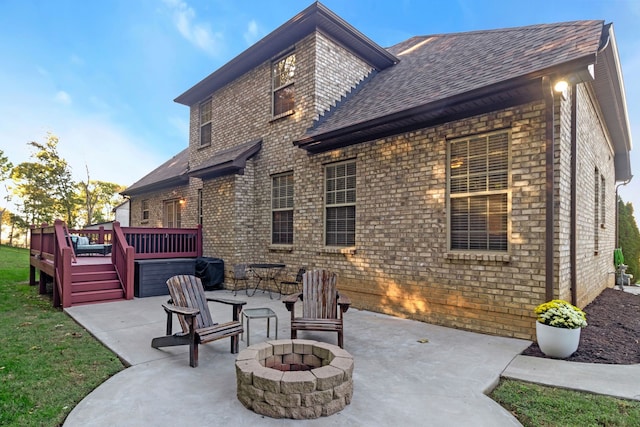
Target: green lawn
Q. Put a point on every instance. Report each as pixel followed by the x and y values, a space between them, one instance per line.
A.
pixel 48 363
pixel 537 406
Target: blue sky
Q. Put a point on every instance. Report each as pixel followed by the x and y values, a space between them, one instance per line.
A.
pixel 102 75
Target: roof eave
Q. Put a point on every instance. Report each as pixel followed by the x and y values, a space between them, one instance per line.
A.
pixel 610 92
pixel 232 166
pixel 316 16
pixel 155 186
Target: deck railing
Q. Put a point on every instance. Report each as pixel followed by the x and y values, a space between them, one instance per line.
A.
pixel 153 243
pixel 52 254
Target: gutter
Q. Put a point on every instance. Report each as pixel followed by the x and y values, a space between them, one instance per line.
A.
pixel 574 191
pixel 547 91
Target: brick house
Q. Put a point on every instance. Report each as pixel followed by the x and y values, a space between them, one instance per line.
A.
pixel 443 178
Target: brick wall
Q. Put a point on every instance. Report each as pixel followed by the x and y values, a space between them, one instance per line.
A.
pixel 401 264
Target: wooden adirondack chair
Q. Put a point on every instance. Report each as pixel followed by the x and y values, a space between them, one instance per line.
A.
pixel 189 302
pixel 322 306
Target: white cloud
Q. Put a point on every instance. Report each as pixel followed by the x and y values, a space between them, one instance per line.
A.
pixel 252 33
pixel 63 97
pixel 197 33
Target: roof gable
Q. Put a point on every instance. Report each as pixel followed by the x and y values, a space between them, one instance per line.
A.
pixel 315 17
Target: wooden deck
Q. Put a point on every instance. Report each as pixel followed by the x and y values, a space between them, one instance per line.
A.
pixel 94 278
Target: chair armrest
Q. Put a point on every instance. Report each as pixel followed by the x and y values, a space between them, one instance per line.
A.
pixel 185 311
pixel 344 302
pixel 233 302
pixel 290 300
pixel 237 306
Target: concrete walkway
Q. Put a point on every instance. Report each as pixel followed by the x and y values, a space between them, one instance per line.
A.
pixel 406 372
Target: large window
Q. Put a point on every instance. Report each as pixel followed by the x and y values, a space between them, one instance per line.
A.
pixel 205 122
pixel 478 192
pixel 282 209
pixel 283 78
pixel 172 214
pixel 340 204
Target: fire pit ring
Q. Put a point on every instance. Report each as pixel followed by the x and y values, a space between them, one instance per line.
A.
pixel 298 379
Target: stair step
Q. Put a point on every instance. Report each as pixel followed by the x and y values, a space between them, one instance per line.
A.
pixel 96 285
pixel 94 276
pixel 95 296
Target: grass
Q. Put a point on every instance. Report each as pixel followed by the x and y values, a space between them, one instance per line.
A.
pixel 536 405
pixel 48 363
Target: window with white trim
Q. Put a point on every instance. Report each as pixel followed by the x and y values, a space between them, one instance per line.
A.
pixel 596 212
pixel 603 206
pixel 283 78
pixel 478 174
pixel 282 209
pixel 200 206
pixel 340 204
pixel 173 213
pixel 145 210
pixel 205 122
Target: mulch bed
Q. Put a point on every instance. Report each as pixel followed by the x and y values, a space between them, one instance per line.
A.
pixel 613 332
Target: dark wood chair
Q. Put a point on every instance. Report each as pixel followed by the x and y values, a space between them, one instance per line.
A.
pixel 322 306
pixel 189 302
pixel 286 286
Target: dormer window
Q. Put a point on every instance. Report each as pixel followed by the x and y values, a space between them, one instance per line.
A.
pixel 283 78
pixel 205 122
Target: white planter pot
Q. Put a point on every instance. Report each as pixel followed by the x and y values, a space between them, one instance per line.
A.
pixel 555 342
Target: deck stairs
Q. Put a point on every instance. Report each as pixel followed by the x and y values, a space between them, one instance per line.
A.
pixel 93 283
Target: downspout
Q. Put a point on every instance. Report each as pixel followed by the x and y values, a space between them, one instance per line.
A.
pixel 547 91
pixel 574 192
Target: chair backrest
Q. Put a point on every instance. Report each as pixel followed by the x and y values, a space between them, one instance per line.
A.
pixel 300 274
pixel 240 271
pixel 187 291
pixel 319 295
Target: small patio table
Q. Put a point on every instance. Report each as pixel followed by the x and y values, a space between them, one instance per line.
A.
pixel 266 272
pixel 258 313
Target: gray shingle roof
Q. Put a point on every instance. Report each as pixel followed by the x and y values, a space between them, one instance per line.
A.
pixel 170 173
pixel 437 67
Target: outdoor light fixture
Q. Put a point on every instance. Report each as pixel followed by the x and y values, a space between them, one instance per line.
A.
pixel 561 86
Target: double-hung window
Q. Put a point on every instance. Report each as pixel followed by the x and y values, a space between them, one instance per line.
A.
pixel 172 214
pixel 205 122
pixel 283 78
pixel 478 174
pixel 340 204
pixel 145 209
pixel 282 209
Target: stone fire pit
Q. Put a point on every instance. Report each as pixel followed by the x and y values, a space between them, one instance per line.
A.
pixel 299 379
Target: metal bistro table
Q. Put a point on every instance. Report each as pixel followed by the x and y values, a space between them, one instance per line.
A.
pixel 266 272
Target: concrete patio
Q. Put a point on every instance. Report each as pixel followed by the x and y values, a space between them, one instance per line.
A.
pixel 398 380
pixel 406 372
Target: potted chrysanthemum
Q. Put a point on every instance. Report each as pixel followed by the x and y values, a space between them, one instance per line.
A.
pixel 558 328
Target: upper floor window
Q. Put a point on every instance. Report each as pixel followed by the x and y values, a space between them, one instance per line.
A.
pixel 282 209
pixel 478 171
pixel 145 210
pixel 340 204
pixel 205 122
pixel 283 78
